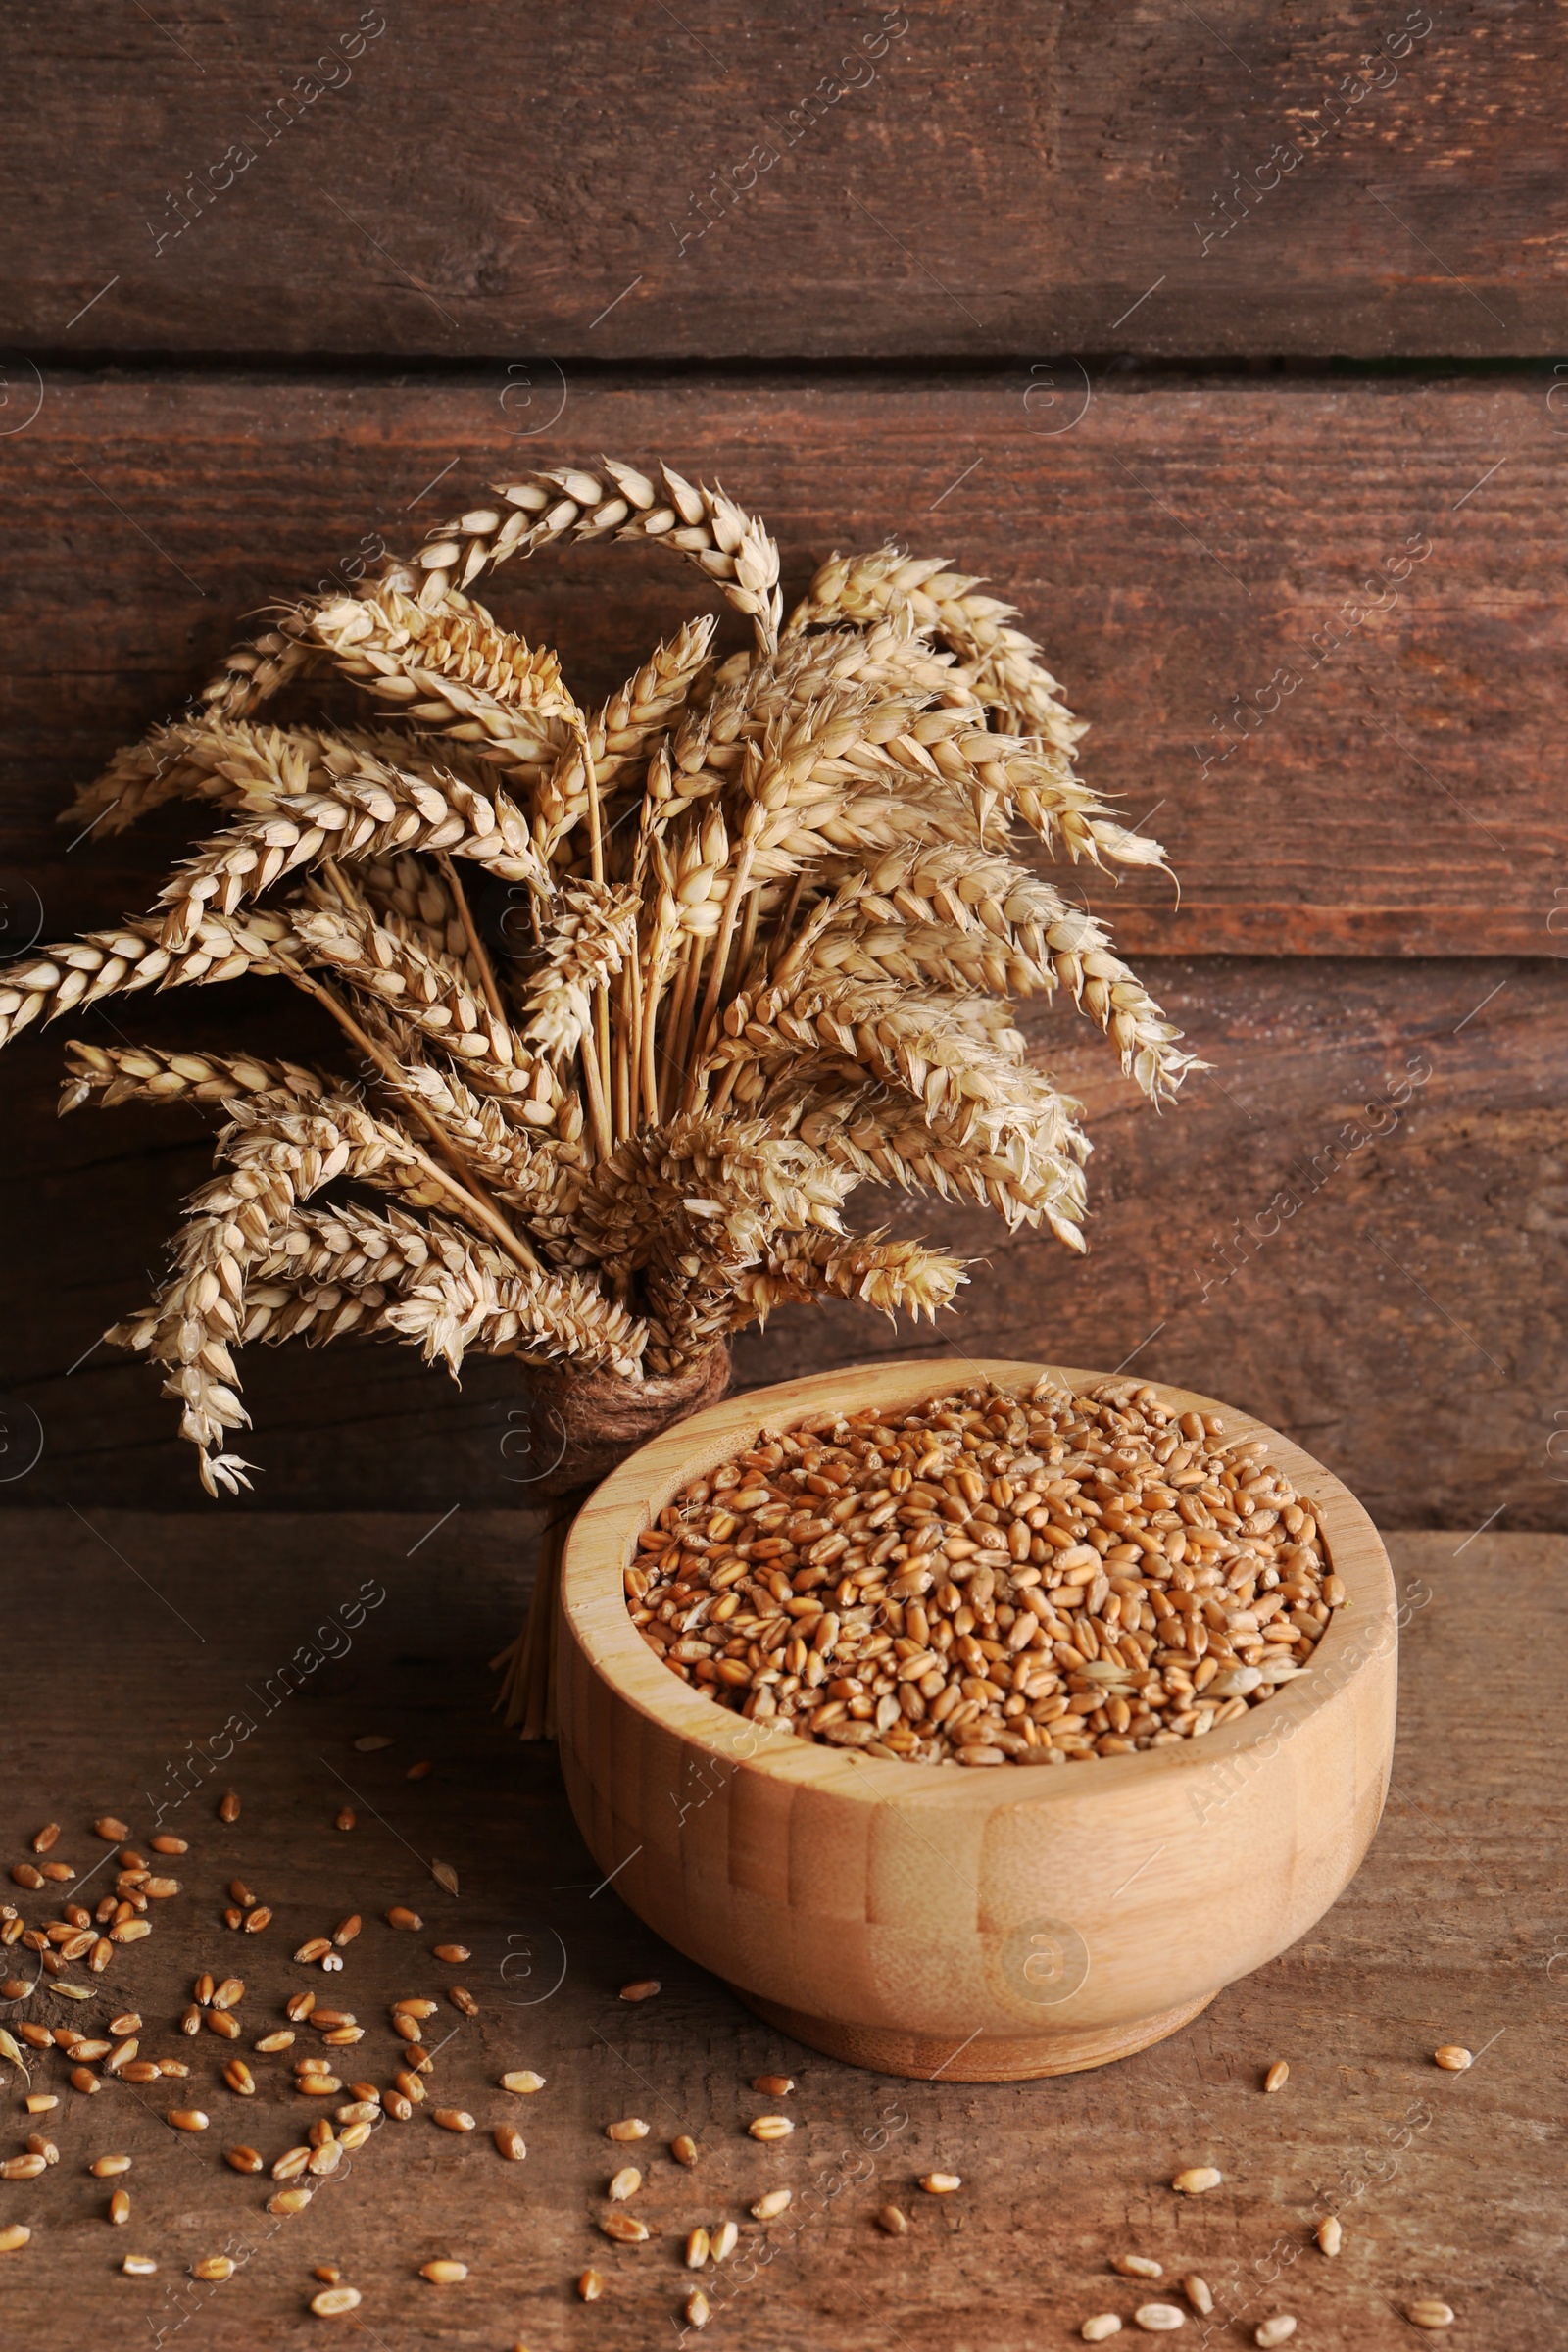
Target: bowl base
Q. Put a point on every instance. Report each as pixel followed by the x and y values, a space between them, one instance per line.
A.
pixel 986 2057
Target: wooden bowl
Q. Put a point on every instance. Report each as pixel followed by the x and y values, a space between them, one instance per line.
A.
pixel 986 1926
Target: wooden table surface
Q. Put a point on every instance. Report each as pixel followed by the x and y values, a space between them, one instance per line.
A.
pixel 137 1639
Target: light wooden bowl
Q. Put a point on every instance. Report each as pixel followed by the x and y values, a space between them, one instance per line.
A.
pixel 986 1926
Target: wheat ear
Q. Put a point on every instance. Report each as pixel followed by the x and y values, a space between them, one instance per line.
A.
pixel 616 502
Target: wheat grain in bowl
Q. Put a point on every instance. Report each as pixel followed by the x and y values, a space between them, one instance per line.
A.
pixel 992 1578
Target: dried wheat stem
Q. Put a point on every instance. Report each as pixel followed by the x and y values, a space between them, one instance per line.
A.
pixel 739 887
pixel 664 1031
pixel 597 1051
pixel 625 1043
pixel 476 946
pixel 719 1102
pixel 594 1084
pixel 418 993
pixel 682 1029
pixel 457 1178
pixel 334 874
pixel 659 947
pixel 784 929
pixel 526 1175
pixel 748 939
pixel 528 1695
pixel 596 828
pixel 602 1058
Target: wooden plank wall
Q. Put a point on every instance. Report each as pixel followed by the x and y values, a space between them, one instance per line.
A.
pixel 968 179
pixel 1224 346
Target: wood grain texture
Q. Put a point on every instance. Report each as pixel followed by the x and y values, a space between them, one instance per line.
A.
pixel 848 179
pixel 1192 555
pixel 1380 1282
pixel 1452 1931
pixel 889 1914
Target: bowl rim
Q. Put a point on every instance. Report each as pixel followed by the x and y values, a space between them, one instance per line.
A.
pixel 603 1540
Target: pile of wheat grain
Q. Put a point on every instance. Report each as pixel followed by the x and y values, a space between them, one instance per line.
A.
pixel 989 1579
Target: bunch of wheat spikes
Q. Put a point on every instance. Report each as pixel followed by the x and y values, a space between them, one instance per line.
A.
pixel 768 927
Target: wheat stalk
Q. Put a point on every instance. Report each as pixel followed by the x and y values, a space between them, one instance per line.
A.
pixel 765 925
